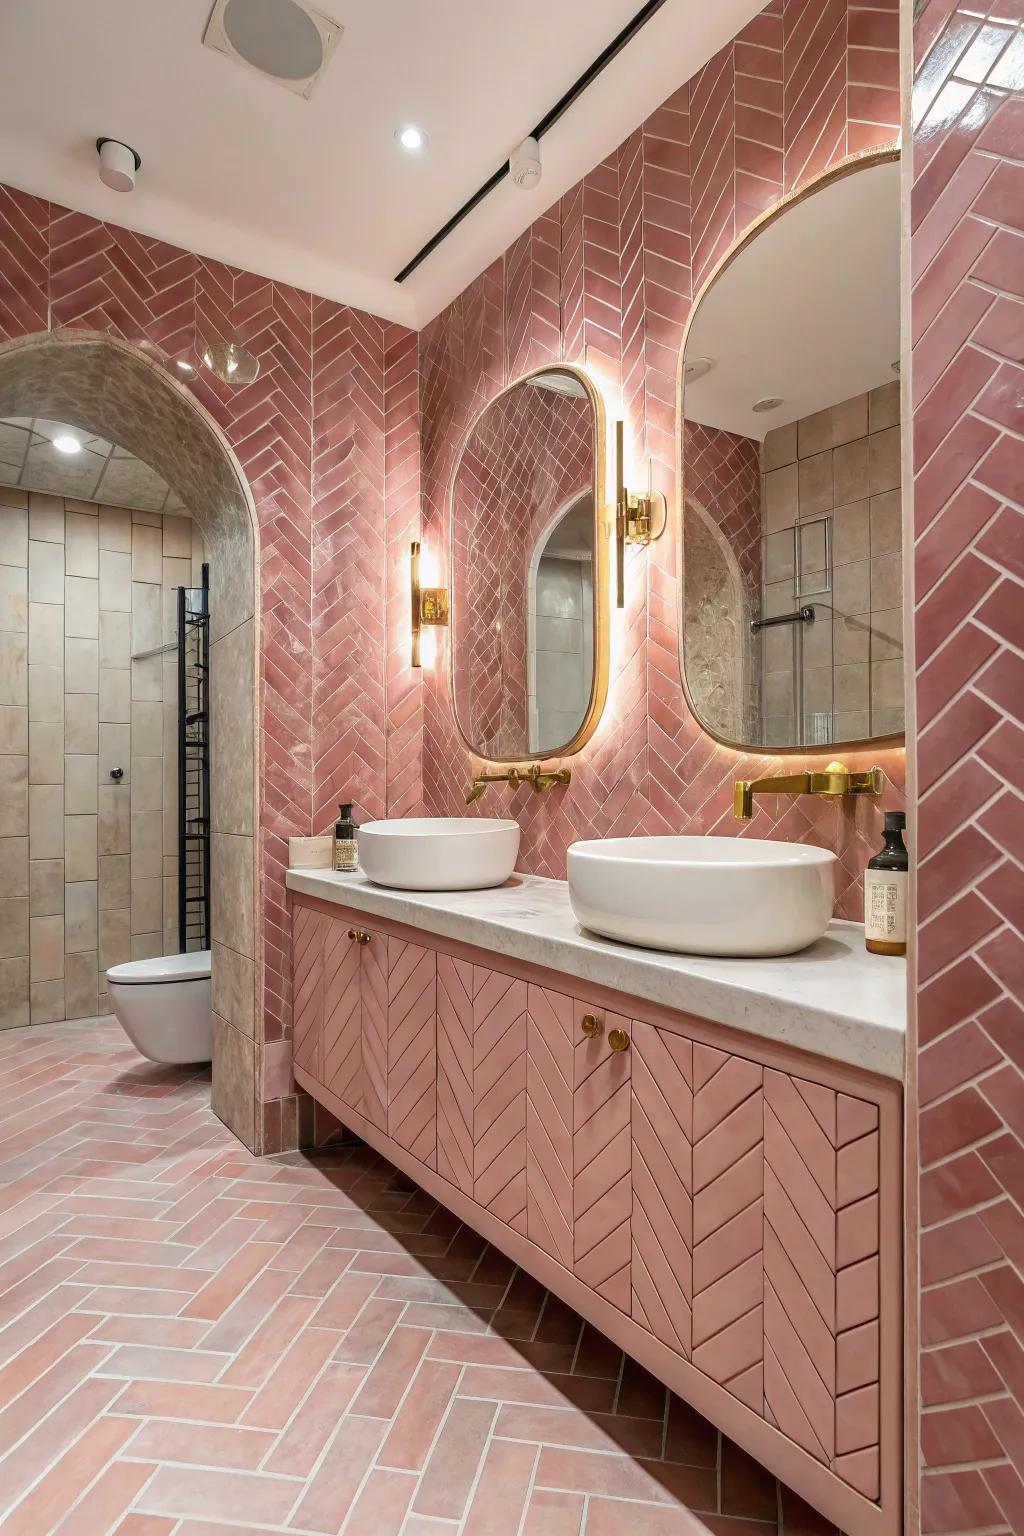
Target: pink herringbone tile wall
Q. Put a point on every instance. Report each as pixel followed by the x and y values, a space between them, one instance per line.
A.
pixel 326 439
pixel 606 278
pixel 968 394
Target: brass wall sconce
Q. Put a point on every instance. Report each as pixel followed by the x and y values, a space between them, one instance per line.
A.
pixel 639 517
pixel 429 604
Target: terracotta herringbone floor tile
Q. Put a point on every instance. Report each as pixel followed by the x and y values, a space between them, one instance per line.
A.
pixel 194 1342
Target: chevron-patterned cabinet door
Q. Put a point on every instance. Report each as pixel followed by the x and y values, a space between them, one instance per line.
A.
pixel 342 1063
pixel 728 1187
pixel 307 988
pixel 662 1161
pixel 821 1275
pixel 499 1095
pixel 601 1190
pixel 373 1014
pixel 549 1153
pixel 412 1049
pixel 455 1072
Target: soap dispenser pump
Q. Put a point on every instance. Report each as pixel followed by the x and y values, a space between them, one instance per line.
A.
pixel 346 849
pixel 885 891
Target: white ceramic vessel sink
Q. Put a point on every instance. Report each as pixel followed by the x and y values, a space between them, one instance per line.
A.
pixel 703 895
pixel 439 853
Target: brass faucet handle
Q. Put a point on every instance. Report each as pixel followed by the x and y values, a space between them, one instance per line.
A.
pixel 743 800
pixel 476 789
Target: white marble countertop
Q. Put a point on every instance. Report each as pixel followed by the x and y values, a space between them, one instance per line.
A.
pixel 833 999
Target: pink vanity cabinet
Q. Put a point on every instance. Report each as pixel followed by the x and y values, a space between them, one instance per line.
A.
pixel 727 1209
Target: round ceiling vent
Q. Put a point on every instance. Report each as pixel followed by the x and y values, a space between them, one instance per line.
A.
pixel 287 41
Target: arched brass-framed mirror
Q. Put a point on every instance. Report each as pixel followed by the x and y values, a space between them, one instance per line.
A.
pixel 529 539
pixel 789 505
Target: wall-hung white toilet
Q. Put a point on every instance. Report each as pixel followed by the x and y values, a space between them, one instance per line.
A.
pixel 164 1006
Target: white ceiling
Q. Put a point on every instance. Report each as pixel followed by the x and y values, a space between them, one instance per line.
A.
pixel 809 310
pixel 99 472
pixel 317 193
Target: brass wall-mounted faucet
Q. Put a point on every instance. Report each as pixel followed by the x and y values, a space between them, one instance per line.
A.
pixel 534 776
pixel 833 784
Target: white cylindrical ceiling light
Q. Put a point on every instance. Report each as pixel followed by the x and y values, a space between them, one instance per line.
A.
pixel 118 164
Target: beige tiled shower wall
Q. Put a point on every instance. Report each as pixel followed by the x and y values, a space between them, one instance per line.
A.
pixel 840 469
pixel 88 865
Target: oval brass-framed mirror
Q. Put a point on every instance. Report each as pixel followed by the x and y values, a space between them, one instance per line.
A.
pixel 529 539
pixel 789 504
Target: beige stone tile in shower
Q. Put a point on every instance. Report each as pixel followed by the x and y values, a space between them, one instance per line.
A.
pixel 812 552
pixel 147 679
pixel 778 551
pixel 850 533
pixel 13 597
pixel 115 579
pixel 147 551
pixel 81 545
pixel 888 722
pixel 147 784
pixel 887 523
pixel 81 607
pixel 13 730
pixel 116 529
pixel 234 988
pixel 818 690
pixel 14 795
pixel 115 826
pixel 231 896
pixel 81 792
pixel 80 986
pixel 46 694
pixel 816 640
pixel 779 692
pixel 851 687
pixel 851 639
pixel 14 985
pixel 45 752
pixel 45 820
pixel 115 699
pixel 148 728
pixel 887 635
pixel 115 747
pixel 781 498
pixel 852 725
pixel 115 883
pixel 146 845
pixel 14 927
pixel 14 865
pixel 147 609
pixel 46 1001
pixel 176 573
pixel 177 540
pixel 115 640
pixel 81 724
pixel 46 517
pixel 147 905
pixel 46 948
pixel 81 916
pixel 46 887
pixel 86 508
pixel 14 525
pixel 885 461
pixel 151 519
pixel 814 434
pixel 849 420
pixel 81 666
pixel 850 469
pixel 46 634
pixel 887 685
pixel 80 848
pixel 115 945
pixel 886 582
pixel 171 945
pixel 884 406
pixel 13 669
pixel 779 447
pixel 851 588
pixel 778 599
pixel 815 485
pixel 144 946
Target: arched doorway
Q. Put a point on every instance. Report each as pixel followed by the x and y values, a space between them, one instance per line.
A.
pixel 119 392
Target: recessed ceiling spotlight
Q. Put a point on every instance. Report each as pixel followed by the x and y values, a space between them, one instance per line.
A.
pixel 411 138
pixel 118 164
pixel 65 443
pixel 524 164
pixel 696 368
pixel 768 403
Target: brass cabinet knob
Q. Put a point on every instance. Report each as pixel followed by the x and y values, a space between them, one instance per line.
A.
pixel 618 1040
pixel 590 1025
pixel 359 936
pixel 353 934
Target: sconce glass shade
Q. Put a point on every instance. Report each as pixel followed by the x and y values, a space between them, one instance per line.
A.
pixel 231 363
